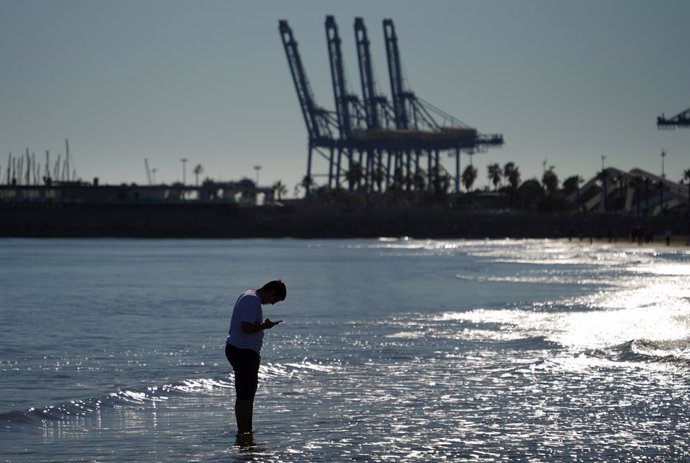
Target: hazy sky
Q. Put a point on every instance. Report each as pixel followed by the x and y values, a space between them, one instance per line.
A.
pixel 124 80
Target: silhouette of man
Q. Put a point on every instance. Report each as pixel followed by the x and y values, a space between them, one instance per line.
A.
pixel 243 347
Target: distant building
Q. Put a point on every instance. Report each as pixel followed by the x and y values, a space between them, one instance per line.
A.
pixel 636 191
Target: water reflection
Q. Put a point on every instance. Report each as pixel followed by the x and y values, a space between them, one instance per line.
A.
pixel 591 367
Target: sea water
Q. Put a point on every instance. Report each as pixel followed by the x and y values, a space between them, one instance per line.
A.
pixel 390 350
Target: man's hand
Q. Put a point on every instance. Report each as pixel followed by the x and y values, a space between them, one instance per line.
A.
pixel 268 324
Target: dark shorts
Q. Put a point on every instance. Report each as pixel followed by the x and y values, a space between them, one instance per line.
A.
pixel 245 363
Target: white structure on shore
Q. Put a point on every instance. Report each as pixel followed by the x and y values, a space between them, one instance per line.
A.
pixel 636 191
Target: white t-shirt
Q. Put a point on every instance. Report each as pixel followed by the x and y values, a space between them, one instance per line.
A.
pixel 247 309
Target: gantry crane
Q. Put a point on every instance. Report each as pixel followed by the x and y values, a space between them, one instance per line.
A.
pixel 347 105
pixel 372 127
pixel 413 113
pixel 320 122
pixel 349 110
pixel 378 110
pixel 395 75
pixel 679 120
pixel 377 107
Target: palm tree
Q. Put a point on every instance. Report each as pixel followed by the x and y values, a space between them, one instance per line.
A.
pixel 354 175
pixel 550 180
pixel 197 171
pixel 279 189
pixel 512 173
pixel 307 183
pixel 495 174
pixel 570 184
pixel 508 167
pixel 469 175
pixel 531 193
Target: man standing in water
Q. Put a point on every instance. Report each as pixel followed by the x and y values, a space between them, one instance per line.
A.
pixel 243 347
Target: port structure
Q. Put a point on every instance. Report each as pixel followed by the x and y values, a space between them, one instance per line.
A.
pixel 372 143
pixel 679 120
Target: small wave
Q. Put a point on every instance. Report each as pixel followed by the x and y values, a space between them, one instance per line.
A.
pixel 69 409
pixel 80 408
pixel 407 335
pixel 670 350
pixel 676 352
pixel 530 343
pixel 150 394
pixel 306 365
pixel 546 278
pixel 388 239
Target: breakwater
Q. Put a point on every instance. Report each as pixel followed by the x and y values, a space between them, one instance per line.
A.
pixel 308 220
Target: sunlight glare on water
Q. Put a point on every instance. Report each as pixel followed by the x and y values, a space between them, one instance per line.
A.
pixel 390 350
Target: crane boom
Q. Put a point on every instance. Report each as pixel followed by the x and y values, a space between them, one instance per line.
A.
pixel 348 106
pixel 315 118
pixel 395 75
pixel 366 75
pixel 338 77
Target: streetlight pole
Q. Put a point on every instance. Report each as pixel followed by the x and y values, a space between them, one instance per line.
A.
pixel 661 182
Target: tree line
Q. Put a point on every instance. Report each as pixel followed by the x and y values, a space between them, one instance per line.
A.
pixel 545 194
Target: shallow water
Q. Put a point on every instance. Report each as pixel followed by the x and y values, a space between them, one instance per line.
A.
pixel 390 350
